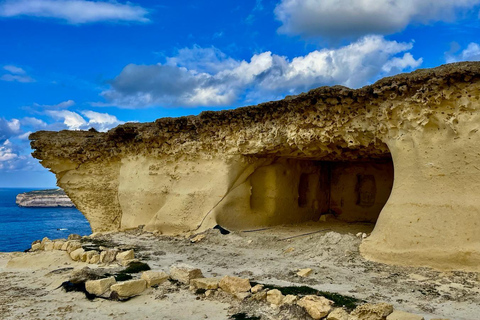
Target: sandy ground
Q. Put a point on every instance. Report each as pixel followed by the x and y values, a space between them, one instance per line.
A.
pixel 29 282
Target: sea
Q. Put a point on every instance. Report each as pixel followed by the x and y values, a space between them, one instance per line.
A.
pixel 19 226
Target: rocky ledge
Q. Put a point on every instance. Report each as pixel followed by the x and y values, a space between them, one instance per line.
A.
pixel 51 198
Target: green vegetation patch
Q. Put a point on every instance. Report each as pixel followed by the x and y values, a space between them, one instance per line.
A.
pixel 339 300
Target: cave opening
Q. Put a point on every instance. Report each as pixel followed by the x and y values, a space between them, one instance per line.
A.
pixel 293 190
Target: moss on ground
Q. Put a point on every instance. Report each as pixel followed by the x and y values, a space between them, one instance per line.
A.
pixel 339 300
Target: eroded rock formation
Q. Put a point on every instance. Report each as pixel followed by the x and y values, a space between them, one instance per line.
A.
pixel 326 151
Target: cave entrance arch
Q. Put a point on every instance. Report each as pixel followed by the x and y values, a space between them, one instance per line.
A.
pixel 288 190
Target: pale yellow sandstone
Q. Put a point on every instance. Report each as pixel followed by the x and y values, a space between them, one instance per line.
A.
pixel 99 287
pixel 267 165
pixel 154 278
pixel 129 288
pixel 372 311
pixel 234 285
pixel 205 283
pixel 317 307
pixel 184 273
pixel 275 297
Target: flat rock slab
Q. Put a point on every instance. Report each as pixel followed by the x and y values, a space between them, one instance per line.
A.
pixel 99 287
pixel 129 288
pixel 234 285
pixel 154 278
pixel 205 283
pixel 184 273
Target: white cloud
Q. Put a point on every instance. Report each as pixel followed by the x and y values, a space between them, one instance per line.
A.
pixel 33 122
pixel 16 78
pixel 72 120
pixel 184 81
pixel 101 121
pixel 61 105
pixel 75 11
pixel 8 128
pixel 354 18
pixel 14 69
pixel 471 53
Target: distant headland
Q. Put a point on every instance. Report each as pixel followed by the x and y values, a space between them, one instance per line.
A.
pixel 51 198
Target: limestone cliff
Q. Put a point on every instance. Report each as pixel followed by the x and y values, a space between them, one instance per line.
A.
pixel 405 146
pixel 51 198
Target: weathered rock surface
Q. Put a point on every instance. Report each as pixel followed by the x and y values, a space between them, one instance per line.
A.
pixel 371 311
pixel 154 278
pixel 129 288
pixel 269 164
pixel 184 273
pixel 205 283
pixel 275 297
pixel 338 314
pixel 317 307
pixel 44 199
pixel 99 287
pixel 234 285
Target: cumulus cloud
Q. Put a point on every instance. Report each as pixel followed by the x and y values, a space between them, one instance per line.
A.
pixel 354 18
pixel 184 81
pixel 471 53
pixel 75 11
pixel 75 121
pixel 8 128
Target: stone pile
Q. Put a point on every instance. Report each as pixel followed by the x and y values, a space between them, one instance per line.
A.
pixel 73 247
pixel 317 307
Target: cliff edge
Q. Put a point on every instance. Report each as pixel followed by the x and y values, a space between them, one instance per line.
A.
pixel 51 198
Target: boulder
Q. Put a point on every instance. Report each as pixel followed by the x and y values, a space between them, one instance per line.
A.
pixel 49 246
pixel 338 314
pixel 72 246
pixel 58 245
pixel 400 315
pixel 127 262
pixel 257 288
pixel 289 299
pixel 154 278
pixel 94 258
pixel 74 236
pixel 372 311
pixel 129 288
pixel 184 273
pixel 304 272
pixel 108 256
pixel 234 285
pixel 36 246
pixel 205 283
pixel 99 287
pixel 317 307
pixel 76 255
pixel 125 255
pixel 275 297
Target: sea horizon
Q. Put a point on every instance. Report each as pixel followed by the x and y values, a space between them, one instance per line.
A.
pixel 20 226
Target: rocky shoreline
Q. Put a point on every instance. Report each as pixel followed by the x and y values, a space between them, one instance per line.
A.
pixel 51 198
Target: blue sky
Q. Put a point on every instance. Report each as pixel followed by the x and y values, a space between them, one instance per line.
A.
pixel 76 64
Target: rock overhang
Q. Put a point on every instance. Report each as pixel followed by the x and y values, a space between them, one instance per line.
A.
pixel 198 170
